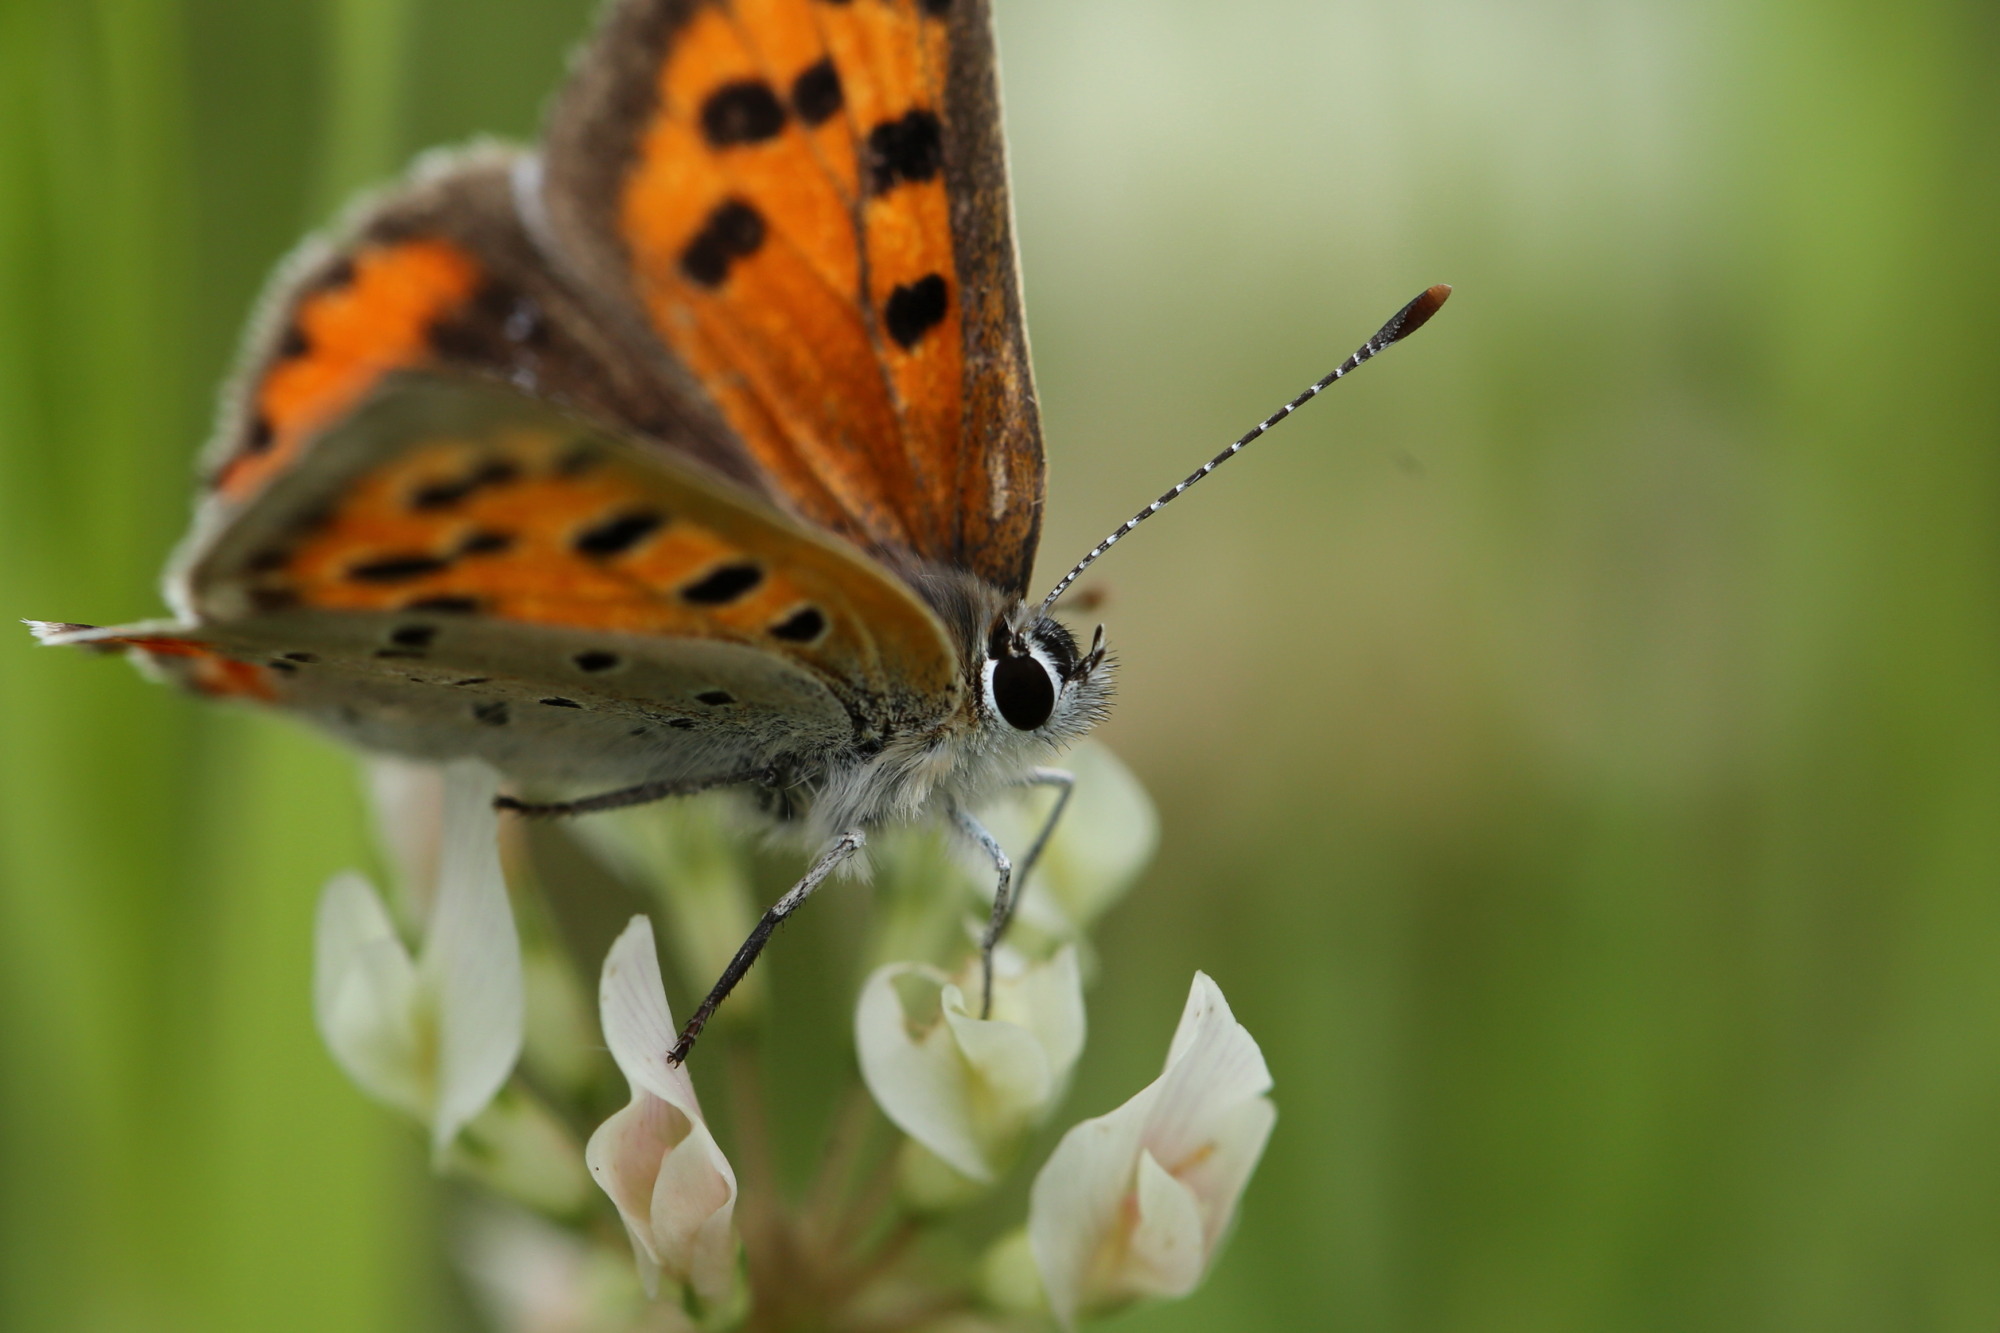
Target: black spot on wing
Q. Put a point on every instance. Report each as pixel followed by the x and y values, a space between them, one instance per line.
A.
pixel 260 436
pixel 816 94
pixel 619 533
pixel 715 698
pixel 397 568
pixel 802 626
pixel 733 231
pixel 413 636
pixel 493 714
pixel 562 703
pixel 916 308
pixel 485 542
pixel 743 112
pixel 937 8
pixel 595 660
pixel 444 494
pixel 293 345
pixel 723 586
pixel 307 658
pixel 910 148
pixel 447 606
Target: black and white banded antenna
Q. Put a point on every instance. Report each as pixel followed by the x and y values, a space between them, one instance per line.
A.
pixel 1400 326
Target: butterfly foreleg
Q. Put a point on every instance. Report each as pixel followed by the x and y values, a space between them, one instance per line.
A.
pixel 1011 884
pixel 844 846
pixel 1064 782
pixel 643 794
pixel 1003 900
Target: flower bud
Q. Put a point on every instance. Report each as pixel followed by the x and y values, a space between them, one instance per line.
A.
pixel 968 1088
pixel 656 1158
pixel 1135 1203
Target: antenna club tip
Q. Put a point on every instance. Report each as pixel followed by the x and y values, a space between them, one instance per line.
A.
pixel 1418 312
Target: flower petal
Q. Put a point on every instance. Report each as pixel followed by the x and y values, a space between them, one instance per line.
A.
pixel 408 800
pixel 1004 1072
pixel 365 997
pixel 1213 1066
pixel 673 1187
pixel 1047 999
pixel 1135 1202
pixel 351 919
pixel 1221 1169
pixel 624 1157
pixel 1168 1248
pixel 1075 1208
pixel 968 1088
pixel 472 956
pixel 916 1074
pixel 638 1026
pixel 693 1212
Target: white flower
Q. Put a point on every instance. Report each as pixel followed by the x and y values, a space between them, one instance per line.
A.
pixel 435 1036
pixel 656 1158
pixel 1135 1203
pixel 407 799
pixel 1107 835
pixel 964 1087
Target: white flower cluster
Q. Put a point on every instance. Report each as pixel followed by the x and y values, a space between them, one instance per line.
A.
pixel 1129 1205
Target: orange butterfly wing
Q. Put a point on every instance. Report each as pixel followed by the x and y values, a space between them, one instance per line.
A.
pixel 443 499
pixel 806 203
pixel 437 274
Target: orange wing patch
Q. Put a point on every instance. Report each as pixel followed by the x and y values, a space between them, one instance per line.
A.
pixel 369 316
pixel 517 514
pixel 790 237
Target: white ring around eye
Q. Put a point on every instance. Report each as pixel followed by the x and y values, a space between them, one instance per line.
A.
pixel 1029 711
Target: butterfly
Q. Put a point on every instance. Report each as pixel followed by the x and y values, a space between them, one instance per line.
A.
pixel 695 447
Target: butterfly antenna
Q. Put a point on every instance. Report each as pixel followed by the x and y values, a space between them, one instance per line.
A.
pixel 1400 326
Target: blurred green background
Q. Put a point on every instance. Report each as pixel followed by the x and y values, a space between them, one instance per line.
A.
pixel 1578 738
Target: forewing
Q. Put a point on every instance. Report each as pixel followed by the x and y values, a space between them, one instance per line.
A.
pixel 806 203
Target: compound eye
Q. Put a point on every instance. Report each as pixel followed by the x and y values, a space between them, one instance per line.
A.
pixel 1023 692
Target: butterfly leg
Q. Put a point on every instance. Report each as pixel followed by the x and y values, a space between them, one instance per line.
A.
pixel 1007 893
pixel 1003 900
pixel 1064 782
pixel 643 794
pixel 846 845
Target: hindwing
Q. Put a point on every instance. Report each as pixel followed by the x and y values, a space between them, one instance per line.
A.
pixel 455 558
